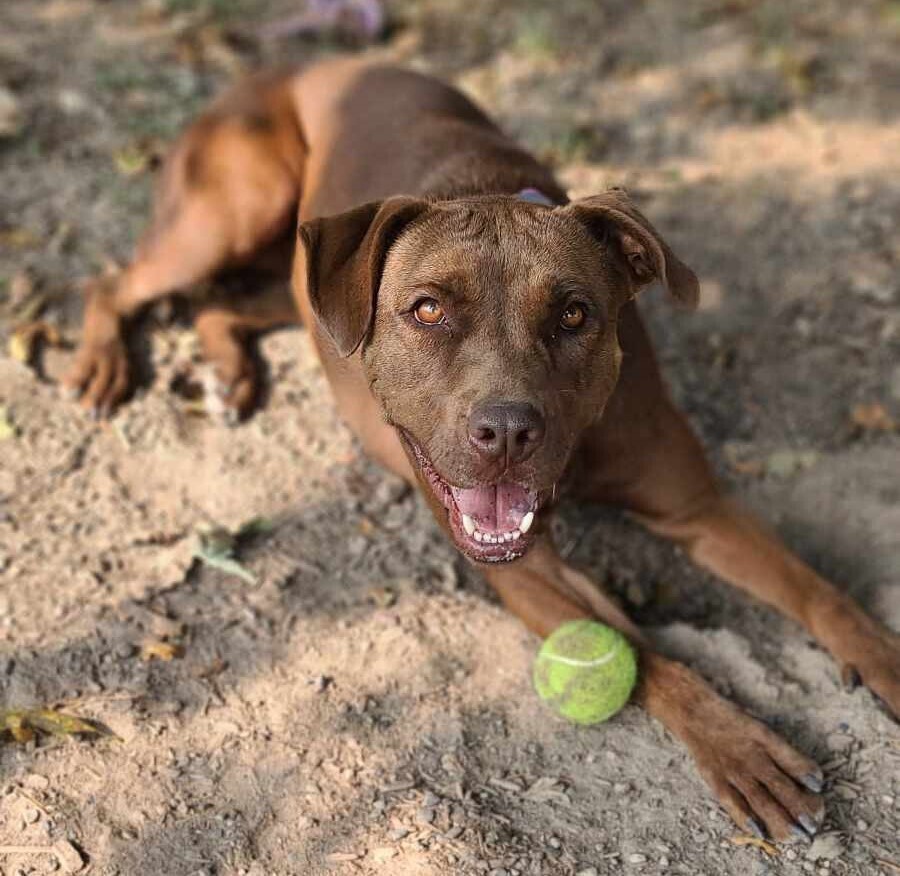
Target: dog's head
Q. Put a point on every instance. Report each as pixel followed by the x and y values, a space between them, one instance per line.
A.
pixel 487 331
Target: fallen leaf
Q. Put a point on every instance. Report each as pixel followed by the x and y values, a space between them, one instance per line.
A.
pixel 153 649
pixel 131 161
pixel 21 724
pixel 872 418
pixel 215 547
pixel 757 843
pixel 7 428
pixel 18 238
pixel 24 341
pixel 783 463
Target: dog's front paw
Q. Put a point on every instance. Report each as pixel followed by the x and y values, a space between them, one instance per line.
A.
pixel 99 376
pixel 765 785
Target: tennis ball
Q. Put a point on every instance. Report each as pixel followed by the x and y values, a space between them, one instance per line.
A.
pixel 585 671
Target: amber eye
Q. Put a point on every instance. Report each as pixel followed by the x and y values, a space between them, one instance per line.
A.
pixel 429 312
pixel 573 317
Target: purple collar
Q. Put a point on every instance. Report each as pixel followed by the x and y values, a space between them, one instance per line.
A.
pixel 534 196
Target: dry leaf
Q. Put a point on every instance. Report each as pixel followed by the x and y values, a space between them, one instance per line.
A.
pixel 21 724
pixel 757 843
pixel 7 427
pixel 18 238
pixel 23 343
pixel 872 418
pixel 215 547
pixel 155 650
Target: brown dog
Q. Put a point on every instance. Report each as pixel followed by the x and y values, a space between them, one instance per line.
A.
pixel 473 339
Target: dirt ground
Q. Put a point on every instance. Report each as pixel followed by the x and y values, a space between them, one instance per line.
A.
pixel 363 705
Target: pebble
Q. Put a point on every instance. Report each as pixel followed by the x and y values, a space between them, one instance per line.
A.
pixel 588 871
pixel 862 825
pixel 637 858
pixel 31 816
pixel 826 846
pixel 554 842
pixel 663 863
pixel 425 815
pixel 397 834
pixel 839 742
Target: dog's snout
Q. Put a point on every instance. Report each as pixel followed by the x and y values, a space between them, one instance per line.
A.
pixel 513 430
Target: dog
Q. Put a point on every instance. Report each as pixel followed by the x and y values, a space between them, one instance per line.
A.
pixel 479 332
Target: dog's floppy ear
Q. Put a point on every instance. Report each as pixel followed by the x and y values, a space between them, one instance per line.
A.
pixel 344 256
pixel 612 217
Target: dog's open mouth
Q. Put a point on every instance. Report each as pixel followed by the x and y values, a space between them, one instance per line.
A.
pixel 491 523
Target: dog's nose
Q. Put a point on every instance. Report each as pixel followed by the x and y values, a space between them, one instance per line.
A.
pixel 513 430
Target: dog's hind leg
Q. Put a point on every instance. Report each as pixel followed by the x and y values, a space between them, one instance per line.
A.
pixel 226 327
pixel 228 190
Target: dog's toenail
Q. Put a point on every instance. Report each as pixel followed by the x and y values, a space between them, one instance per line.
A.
pixel 69 393
pixel 808 824
pixel 755 829
pixel 813 782
pixel 799 833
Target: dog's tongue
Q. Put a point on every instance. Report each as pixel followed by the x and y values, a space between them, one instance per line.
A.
pixel 494 508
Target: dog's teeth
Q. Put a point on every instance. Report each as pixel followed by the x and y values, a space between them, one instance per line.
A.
pixel 527 520
pixel 516 534
pixel 468 525
pixel 478 536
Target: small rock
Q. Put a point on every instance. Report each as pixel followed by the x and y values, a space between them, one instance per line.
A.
pixel 839 741
pixel 663 863
pixel 397 834
pixel 31 816
pixel 69 857
pixel 554 842
pixel 826 846
pixel 320 683
pixel 588 871
pixel 425 815
pixel 383 853
pixel 36 781
pixel 637 858
pixel 430 800
pixel 862 825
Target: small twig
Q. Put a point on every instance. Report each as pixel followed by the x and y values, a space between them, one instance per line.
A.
pixel 27 850
pixel 889 864
pixel 757 843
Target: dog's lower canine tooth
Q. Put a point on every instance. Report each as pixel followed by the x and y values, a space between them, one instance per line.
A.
pixel 527 520
pixel 478 535
pixel 468 524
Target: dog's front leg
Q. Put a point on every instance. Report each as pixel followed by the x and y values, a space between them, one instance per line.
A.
pixel 735 546
pixel 763 783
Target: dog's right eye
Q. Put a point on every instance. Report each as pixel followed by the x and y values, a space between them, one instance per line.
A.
pixel 428 312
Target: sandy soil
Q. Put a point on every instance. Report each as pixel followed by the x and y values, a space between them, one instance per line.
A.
pixel 364 706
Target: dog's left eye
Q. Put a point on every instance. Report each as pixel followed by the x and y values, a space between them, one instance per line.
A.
pixel 429 312
pixel 573 317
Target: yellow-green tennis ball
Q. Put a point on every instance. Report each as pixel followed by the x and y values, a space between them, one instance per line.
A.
pixel 585 671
